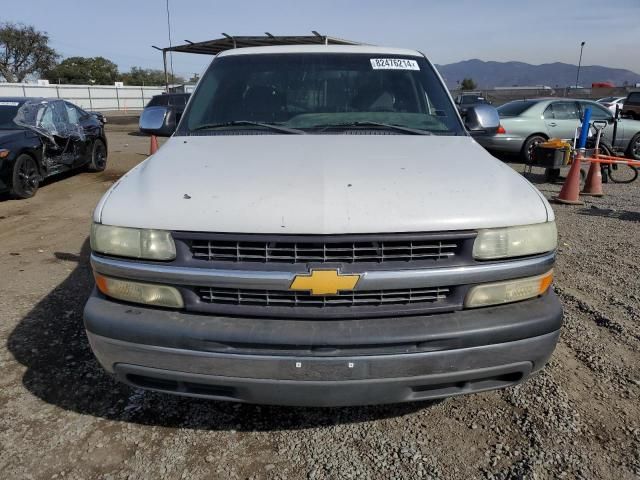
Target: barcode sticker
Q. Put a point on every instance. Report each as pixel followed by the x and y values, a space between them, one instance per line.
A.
pixel 394 64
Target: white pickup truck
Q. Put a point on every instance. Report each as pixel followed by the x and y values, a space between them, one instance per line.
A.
pixel 322 229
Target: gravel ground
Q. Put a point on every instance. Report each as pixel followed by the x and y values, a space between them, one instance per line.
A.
pixel 62 417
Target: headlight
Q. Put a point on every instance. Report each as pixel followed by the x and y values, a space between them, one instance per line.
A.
pixel 4 153
pixel 132 242
pixel 508 291
pixel 136 292
pixel 515 241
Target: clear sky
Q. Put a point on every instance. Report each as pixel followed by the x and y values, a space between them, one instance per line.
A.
pixel 540 31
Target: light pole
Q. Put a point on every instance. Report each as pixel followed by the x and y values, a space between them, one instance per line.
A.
pixel 579 63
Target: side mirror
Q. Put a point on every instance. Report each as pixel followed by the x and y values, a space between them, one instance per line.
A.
pixel 481 119
pixel 160 121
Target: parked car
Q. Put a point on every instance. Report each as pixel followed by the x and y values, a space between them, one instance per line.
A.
pixel 318 231
pixel 464 101
pixel 175 101
pixel 631 106
pixel 611 103
pixel 42 137
pixel 527 123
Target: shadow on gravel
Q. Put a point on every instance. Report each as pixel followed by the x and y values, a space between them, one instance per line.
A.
pixel 61 370
pixel 610 213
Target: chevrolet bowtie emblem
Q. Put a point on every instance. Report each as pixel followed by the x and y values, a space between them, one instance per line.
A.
pixel 324 282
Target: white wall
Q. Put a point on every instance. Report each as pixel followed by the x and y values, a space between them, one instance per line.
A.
pixel 89 97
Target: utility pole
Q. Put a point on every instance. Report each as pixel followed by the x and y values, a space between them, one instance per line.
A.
pixel 579 64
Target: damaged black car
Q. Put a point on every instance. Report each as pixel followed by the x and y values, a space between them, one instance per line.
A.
pixel 43 137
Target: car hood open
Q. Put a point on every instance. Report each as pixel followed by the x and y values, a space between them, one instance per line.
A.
pixel 322 184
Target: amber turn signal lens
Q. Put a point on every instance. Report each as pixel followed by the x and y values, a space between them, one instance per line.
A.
pixel 137 292
pixel 508 291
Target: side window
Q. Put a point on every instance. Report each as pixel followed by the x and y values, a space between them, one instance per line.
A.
pixel 60 117
pixel 548 113
pixel 597 112
pixel 634 98
pixel 73 114
pixel 44 118
pixel 565 111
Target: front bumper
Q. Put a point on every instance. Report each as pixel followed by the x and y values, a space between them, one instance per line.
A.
pixel 323 362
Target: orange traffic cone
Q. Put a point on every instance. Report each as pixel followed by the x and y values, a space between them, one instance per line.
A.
pixel 153 148
pixel 593 184
pixel 570 193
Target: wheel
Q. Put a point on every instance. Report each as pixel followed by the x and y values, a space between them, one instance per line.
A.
pixel 25 177
pixel 634 147
pixel 529 145
pixel 98 156
pixel 622 173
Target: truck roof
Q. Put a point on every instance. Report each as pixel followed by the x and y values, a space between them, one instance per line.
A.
pixel 366 49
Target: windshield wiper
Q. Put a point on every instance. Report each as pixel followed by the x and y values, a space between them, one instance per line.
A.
pixel 272 126
pixel 366 123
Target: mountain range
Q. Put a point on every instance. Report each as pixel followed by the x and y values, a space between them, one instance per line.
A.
pixel 509 74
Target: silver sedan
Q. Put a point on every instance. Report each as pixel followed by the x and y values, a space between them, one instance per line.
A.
pixel 527 123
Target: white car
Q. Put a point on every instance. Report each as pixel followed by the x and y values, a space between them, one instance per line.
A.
pixel 321 229
pixel 612 102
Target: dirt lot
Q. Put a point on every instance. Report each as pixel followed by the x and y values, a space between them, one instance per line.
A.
pixel 62 417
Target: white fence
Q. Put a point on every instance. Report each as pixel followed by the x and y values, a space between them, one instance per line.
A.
pixel 90 97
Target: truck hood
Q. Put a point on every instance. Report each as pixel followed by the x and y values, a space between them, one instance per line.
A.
pixel 321 184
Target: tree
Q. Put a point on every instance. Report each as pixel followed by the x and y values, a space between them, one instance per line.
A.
pixel 84 70
pixel 24 51
pixel 468 84
pixel 148 76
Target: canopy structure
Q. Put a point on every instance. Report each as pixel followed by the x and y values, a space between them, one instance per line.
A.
pixel 227 42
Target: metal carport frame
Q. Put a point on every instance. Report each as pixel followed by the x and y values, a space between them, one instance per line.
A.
pixel 213 47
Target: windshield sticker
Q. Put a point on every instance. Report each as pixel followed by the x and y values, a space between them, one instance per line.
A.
pixel 394 64
pixel 9 104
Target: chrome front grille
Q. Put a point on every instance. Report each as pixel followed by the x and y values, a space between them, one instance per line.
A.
pixel 283 298
pixel 249 275
pixel 282 251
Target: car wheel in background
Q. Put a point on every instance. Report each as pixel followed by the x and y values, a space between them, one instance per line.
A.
pixel 25 177
pixel 634 147
pixel 98 156
pixel 529 145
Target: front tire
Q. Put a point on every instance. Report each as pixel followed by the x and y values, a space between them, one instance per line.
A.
pixel 98 156
pixel 529 146
pixel 25 177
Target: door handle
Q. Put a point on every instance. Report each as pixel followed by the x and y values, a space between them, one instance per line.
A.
pixel 553 124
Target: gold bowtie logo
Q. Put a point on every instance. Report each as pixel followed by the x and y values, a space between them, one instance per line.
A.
pixel 324 282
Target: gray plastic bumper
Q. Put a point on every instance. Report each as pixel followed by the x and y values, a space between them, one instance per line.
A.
pixel 450 354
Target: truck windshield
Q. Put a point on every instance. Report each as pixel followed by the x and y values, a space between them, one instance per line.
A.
pixel 320 93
